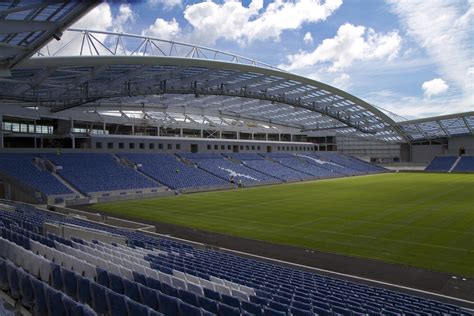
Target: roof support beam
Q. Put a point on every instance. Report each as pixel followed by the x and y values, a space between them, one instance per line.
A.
pixel 471 130
pixel 443 128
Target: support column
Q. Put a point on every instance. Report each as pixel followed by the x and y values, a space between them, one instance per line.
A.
pixel 202 133
pixel 253 136
pixel 266 136
pixel 279 137
pixel 238 135
pixel 291 137
pixel 103 127
pixel 1 131
pixel 220 134
pixel 158 130
pixel 181 132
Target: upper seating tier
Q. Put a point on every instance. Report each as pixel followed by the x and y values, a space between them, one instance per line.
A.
pixel 21 167
pixel 441 163
pixel 96 172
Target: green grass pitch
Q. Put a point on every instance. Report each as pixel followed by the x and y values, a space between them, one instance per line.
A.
pixel 423 220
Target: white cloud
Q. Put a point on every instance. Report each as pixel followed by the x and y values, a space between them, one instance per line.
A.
pixel 308 38
pixel 434 87
pixel 100 18
pixel 163 29
pixel 445 30
pixel 231 20
pixel 352 43
pixel 167 4
pixel 413 107
pixel 125 16
pixel 343 81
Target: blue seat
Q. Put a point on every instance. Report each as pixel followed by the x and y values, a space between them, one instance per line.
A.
pixel 84 290
pixel 321 311
pixel 72 307
pixel 300 312
pixel 301 305
pixel 131 290
pixel 40 307
pixel 116 304
pixel 169 290
pixel 267 311
pixel 208 304
pixel 99 299
pixel 138 277
pixel 153 283
pixel 230 300
pixel 3 275
pixel 26 289
pixel 258 300
pixel 226 310
pixel 13 281
pixel 70 283
pixel 116 283
pixel 137 309
pixel 168 305
pixel 149 297
pixel 188 297
pixel 186 309
pixel 102 277
pixel 252 308
pixel 278 306
pixel 55 302
pixel 213 295
pixel 56 277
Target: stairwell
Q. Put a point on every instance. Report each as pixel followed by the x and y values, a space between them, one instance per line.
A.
pixel 49 166
pixel 454 164
pixel 130 164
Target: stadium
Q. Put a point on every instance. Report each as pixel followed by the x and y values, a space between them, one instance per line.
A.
pixel 146 176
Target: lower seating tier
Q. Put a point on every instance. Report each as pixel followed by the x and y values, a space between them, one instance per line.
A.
pixel 149 275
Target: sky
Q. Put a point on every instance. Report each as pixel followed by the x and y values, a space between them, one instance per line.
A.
pixel 414 58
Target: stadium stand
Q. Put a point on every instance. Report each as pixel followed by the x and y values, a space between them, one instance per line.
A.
pixel 441 163
pixel 53 275
pixel 300 164
pixel 465 164
pixel 270 167
pixel 97 172
pixel 225 169
pixel 68 175
pixel 22 168
pixel 358 166
pixel 167 169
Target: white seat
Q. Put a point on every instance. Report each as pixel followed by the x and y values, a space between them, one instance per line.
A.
pixel 179 274
pixel 222 289
pixel 165 278
pixel 126 273
pixel 195 288
pixel 192 278
pixel 44 269
pixel 240 295
pixel 217 280
pixel 247 289
pixel 179 283
pixel 207 284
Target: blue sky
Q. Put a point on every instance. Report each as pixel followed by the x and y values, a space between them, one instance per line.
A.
pixel 413 58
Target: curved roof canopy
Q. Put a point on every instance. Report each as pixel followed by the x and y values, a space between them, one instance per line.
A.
pixel 174 83
pixel 115 77
pixel 26 25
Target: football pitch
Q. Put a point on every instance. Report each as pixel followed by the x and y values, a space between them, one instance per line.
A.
pixel 417 219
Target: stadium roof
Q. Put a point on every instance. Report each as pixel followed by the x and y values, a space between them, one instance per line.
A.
pixel 26 25
pixel 115 77
pixel 439 126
